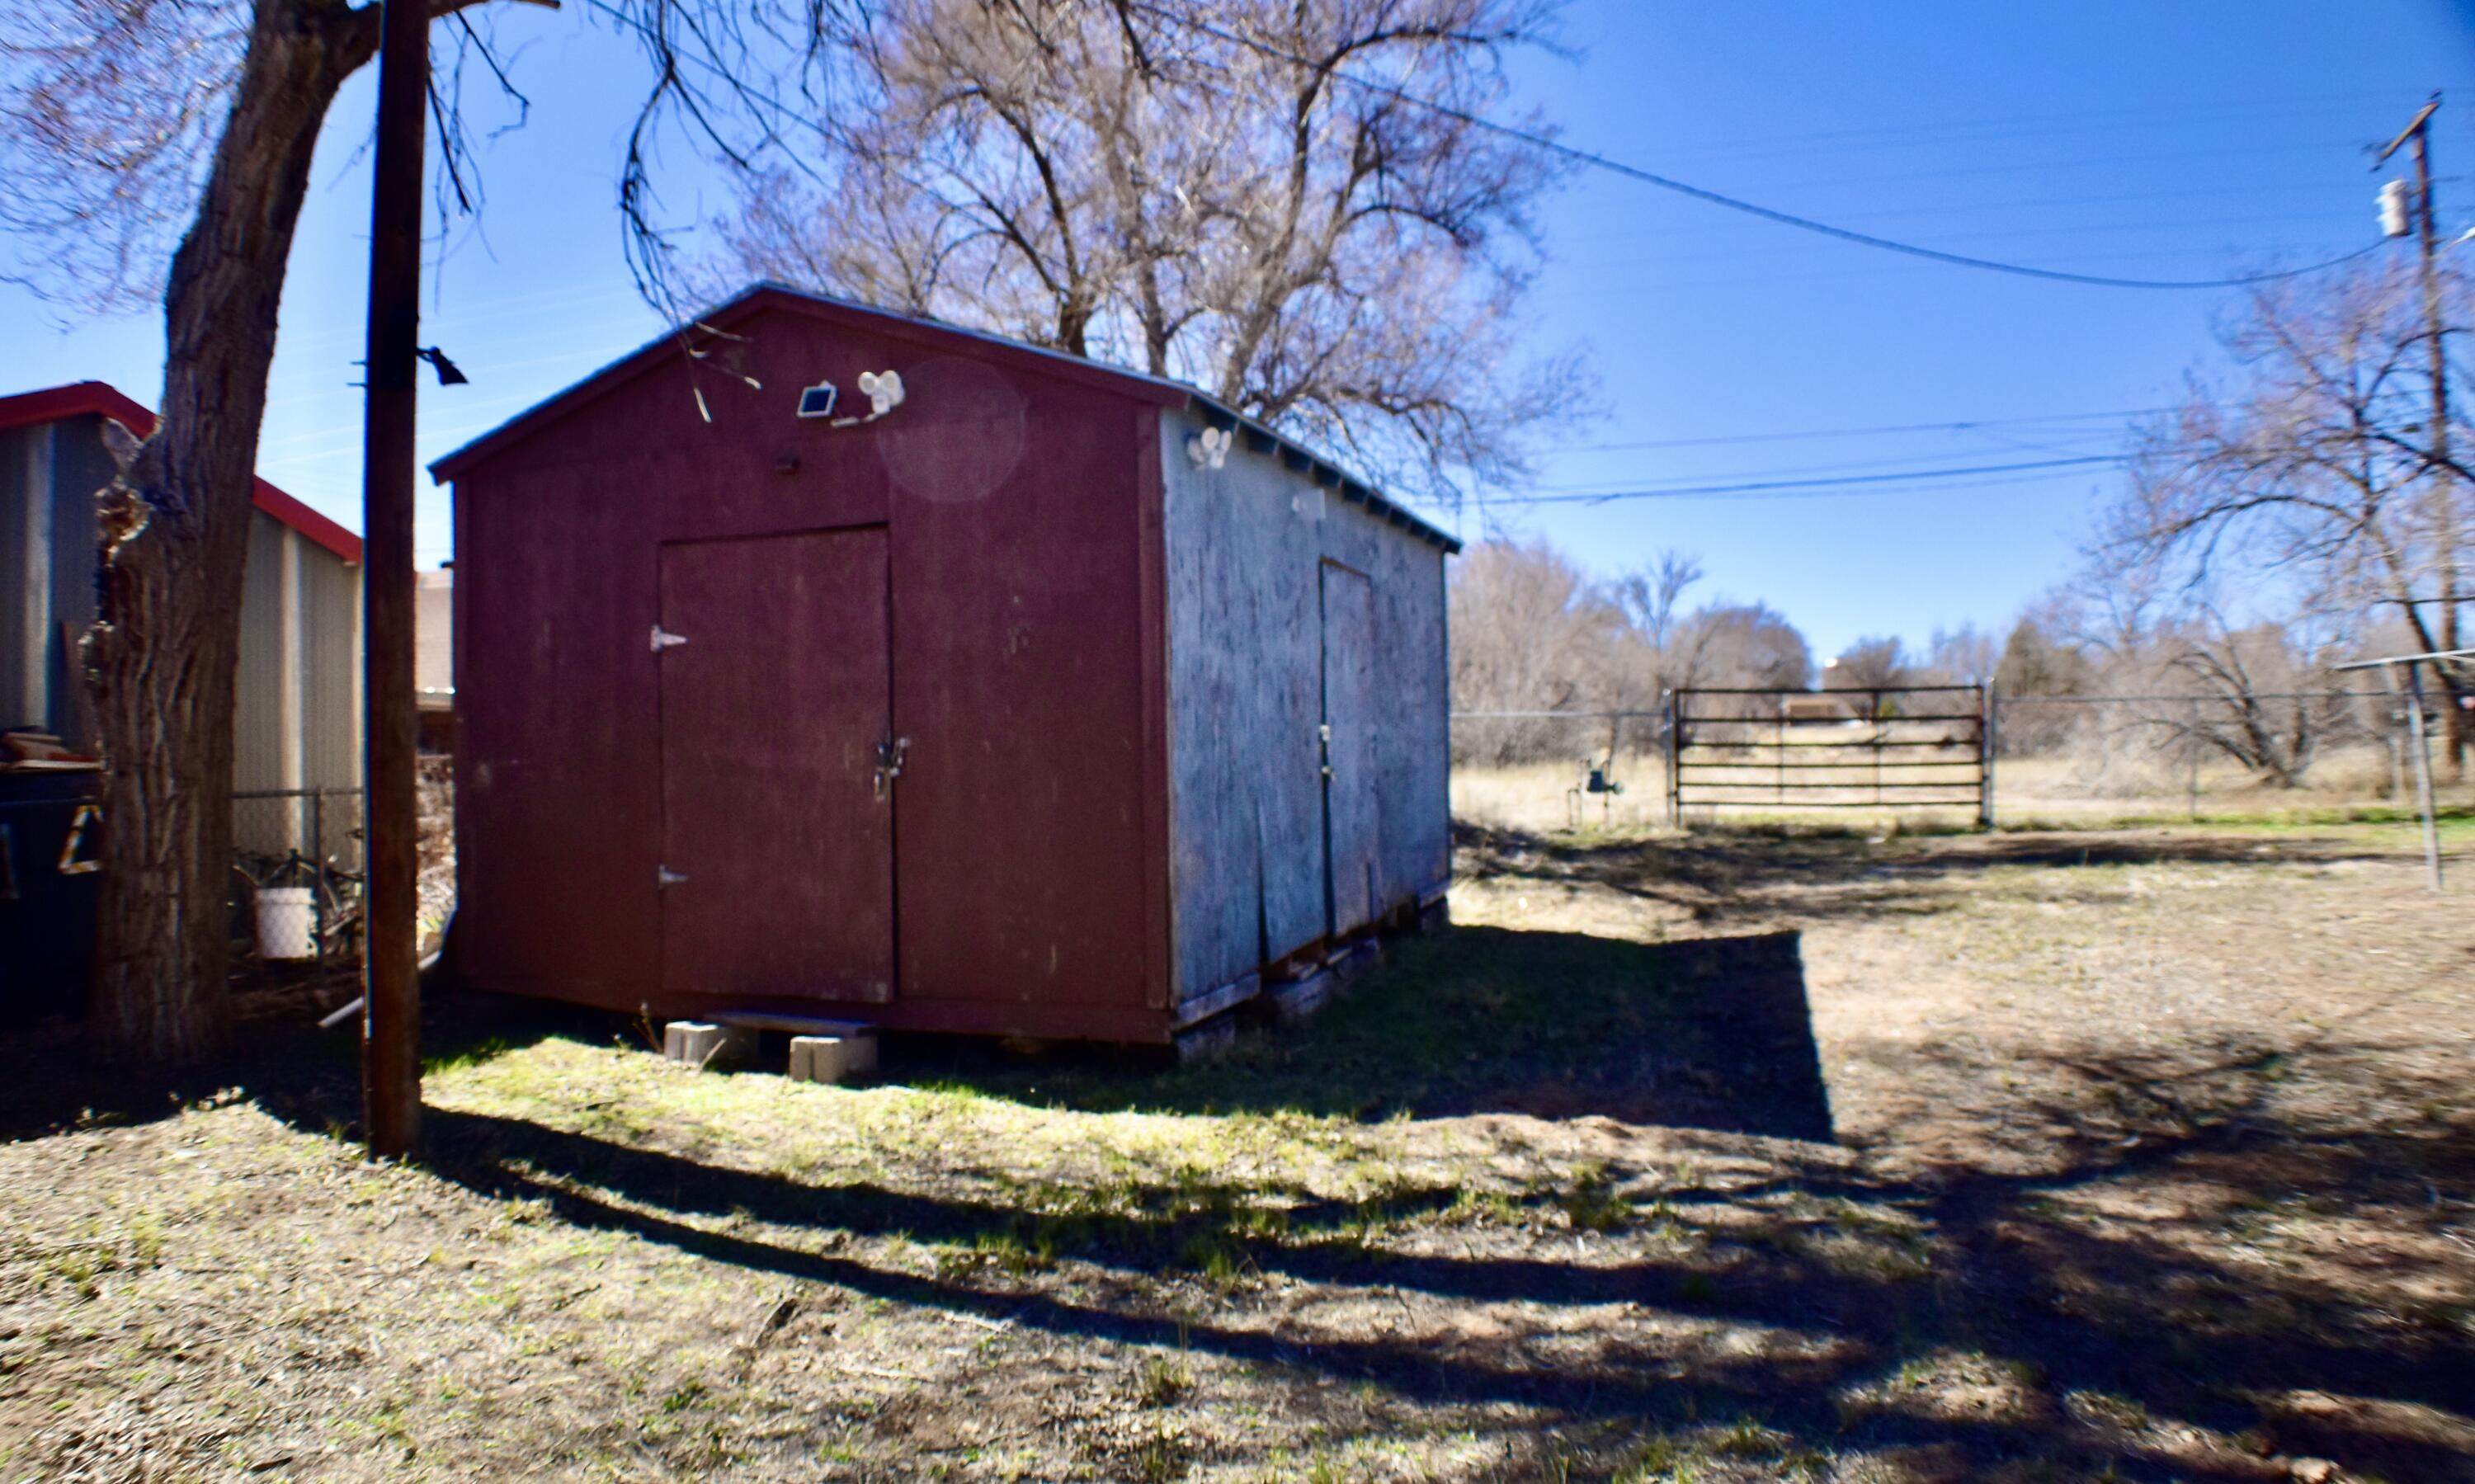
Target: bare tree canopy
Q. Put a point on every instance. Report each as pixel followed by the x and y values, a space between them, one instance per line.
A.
pixel 2319 477
pixel 1874 663
pixel 1199 190
pixel 1532 632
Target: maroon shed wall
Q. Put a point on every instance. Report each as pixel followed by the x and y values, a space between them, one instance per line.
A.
pixel 1029 881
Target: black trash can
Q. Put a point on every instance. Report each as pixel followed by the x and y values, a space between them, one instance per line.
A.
pixel 50 835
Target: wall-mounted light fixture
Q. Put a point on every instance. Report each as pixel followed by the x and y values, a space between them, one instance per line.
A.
pixel 1209 449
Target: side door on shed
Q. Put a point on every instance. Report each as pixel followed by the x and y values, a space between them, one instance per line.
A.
pixel 777 825
pixel 1353 822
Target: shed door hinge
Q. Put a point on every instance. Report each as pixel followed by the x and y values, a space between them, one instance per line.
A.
pixel 663 639
pixel 664 876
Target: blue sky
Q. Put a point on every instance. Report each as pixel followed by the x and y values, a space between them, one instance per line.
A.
pixel 2184 140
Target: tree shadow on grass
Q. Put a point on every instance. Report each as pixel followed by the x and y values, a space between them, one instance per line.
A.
pixel 2157 1301
pixel 2178 1327
pixel 1724 877
pixel 1712 1034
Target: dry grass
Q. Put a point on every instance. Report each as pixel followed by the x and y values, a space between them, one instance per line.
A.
pixel 2091 788
pixel 2136 1155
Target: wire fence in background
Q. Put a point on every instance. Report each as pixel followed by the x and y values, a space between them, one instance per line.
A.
pixel 2059 760
pixel 296 884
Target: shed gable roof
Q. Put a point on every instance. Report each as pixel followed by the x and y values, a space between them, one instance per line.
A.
pixel 765 297
pixel 98 399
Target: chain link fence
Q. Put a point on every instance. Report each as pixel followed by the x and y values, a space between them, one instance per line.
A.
pixel 296 879
pixel 297 875
pixel 2056 760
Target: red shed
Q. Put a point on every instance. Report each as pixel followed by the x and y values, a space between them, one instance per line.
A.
pixel 1027 697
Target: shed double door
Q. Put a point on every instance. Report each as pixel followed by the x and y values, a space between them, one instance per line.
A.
pixel 777 829
pixel 1352 820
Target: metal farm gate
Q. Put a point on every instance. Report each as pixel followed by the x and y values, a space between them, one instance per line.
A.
pixel 1788 751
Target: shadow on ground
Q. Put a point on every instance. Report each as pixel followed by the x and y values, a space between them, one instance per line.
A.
pixel 1725 877
pixel 1711 1033
pixel 2141 1267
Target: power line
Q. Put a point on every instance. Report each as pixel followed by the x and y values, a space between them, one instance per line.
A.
pixel 1976 424
pixel 1839 483
pixel 1545 145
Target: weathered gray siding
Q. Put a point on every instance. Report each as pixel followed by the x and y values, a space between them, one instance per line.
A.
pixel 1245 544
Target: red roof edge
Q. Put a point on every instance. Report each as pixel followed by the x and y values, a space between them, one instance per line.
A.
pixel 80 398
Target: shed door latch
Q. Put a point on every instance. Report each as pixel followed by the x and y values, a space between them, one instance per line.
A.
pixel 664 876
pixel 663 639
pixel 889 763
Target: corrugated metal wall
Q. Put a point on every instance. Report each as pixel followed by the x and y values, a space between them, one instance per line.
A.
pixel 24 459
pixel 297 724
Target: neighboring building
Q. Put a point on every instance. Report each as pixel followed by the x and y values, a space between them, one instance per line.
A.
pixel 1847 706
pixel 1023 707
pixel 433 657
pixel 298 718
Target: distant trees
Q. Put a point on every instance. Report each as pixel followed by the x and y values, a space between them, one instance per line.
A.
pixel 1199 188
pixel 1532 631
pixel 2036 662
pixel 1874 664
pixel 2318 479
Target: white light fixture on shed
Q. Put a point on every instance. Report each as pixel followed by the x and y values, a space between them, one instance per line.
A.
pixel 1209 449
pixel 883 390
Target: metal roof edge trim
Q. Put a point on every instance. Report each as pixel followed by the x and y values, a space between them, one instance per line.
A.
pixel 1300 459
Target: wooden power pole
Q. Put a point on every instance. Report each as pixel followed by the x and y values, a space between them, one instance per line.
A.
pixel 2444 513
pixel 390 987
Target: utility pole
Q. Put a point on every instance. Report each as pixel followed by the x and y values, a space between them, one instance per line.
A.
pixel 390 987
pixel 2444 495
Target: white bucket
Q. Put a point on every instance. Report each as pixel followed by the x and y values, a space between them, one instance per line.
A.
pixel 285 921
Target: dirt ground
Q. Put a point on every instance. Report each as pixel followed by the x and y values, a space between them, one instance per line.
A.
pixel 2124 1155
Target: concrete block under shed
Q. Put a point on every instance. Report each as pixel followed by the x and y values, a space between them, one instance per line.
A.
pixel 1296 1001
pixel 831 1058
pixel 1347 963
pixel 704 1046
pixel 1208 1041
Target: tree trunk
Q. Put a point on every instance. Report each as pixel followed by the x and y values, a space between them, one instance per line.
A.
pixel 175 532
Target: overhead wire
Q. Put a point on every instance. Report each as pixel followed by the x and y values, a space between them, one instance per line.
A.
pixel 1594 160
pixel 1839 483
pixel 1972 425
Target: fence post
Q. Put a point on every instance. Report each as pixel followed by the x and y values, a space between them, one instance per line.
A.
pixel 2191 763
pixel 1990 719
pixel 1675 762
pixel 2422 772
pixel 318 868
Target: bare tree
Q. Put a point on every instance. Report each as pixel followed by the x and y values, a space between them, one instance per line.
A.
pixel 1530 632
pixel 1959 656
pixel 1748 644
pixel 1284 204
pixel 2319 471
pixel 1654 597
pixel 128 127
pixel 1870 663
pixel 2036 661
